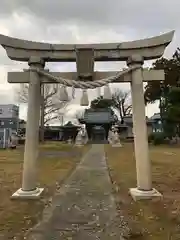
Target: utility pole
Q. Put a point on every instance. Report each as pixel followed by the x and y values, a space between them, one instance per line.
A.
pixel 41 138
pixel 61 118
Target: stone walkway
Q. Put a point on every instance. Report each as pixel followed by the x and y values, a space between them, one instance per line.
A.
pixel 84 208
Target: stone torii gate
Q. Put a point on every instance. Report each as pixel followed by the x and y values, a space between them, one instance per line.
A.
pixel 134 53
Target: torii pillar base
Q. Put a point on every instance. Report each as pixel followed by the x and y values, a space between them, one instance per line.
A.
pixel 79 145
pixel 35 194
pixel 117 145
pixel 137 194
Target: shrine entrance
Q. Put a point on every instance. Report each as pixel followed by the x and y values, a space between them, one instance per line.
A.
pixel 98 134
pixel 85 55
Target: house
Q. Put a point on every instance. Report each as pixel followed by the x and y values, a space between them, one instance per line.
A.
pixel 68 131
pixel 22 124
pixel 22 127
pixel 9 116
pixel 157 123
pixel 125 128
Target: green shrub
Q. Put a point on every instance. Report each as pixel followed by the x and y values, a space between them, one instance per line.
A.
pixel 151 137
pixel 158 138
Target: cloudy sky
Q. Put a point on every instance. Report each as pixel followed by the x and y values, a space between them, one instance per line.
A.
pixel 83 21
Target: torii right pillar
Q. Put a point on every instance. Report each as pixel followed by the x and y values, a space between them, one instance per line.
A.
pixel 144 188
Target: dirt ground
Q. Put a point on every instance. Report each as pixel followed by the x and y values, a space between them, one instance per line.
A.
pixel 148 219
pixel 56 162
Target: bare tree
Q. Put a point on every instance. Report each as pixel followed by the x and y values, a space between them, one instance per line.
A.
pixel 50 103
pixel 122 102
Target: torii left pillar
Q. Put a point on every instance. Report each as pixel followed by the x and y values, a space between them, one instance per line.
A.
pixel 29 189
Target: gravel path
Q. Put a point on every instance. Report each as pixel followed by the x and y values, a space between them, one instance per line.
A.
pixel 84 207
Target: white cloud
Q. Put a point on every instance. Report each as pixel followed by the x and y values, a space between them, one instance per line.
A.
pixel 85 21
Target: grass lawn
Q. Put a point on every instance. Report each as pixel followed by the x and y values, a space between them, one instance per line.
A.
pixel 148 219
pixel 55 163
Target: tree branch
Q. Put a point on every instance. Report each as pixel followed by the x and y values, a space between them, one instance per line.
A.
pixel 51 96
pixel 121 102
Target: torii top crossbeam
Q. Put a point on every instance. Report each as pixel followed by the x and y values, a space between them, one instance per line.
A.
pixel 149 48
